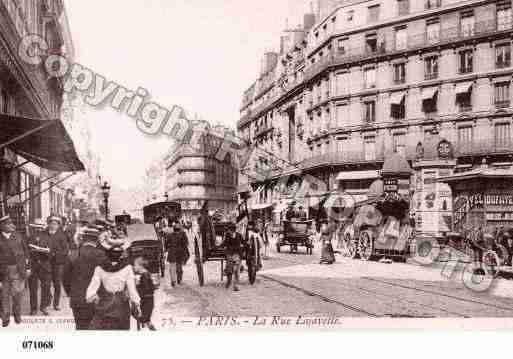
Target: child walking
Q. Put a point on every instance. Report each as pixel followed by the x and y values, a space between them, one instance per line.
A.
pixel 146 290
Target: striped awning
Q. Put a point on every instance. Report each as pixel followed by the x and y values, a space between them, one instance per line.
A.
pixel 463 88
pixel 429 93
pixel 45 143
pixel 397 98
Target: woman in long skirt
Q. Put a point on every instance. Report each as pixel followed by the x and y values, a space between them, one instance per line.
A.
pixel 113 290
pixel 327 252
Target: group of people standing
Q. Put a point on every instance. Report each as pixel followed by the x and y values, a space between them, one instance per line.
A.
pixel 106 287
pixel 37 260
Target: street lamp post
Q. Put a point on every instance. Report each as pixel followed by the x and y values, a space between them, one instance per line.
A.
pixel 106 193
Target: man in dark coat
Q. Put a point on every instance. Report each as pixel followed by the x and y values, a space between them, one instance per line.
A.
pixel 78 272
pixel 59 247
pixel 177 248
pixel 13 269
pixel 41 268
pixel 233 243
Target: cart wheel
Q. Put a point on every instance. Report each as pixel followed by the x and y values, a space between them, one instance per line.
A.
pixel 366 245
pixel 251 272
pixel 199 264
pixel 352 247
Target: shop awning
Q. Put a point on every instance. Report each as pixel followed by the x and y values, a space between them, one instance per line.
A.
pixel 357 175
pixel 44 143
pixel 463 88
pixel 429 93
pixel 397 98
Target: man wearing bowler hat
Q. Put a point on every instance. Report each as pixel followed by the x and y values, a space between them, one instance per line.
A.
pixel 41 268
pixel 78 272
pixel 59 250
pixel 13 270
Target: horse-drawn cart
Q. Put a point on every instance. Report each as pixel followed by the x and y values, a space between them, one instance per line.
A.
pixel 155 214
pixel 209 247
pixel 295 234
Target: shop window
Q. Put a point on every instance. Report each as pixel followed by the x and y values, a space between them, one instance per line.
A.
pixel 431 67
pixel 400 73
pixel 503 56
pixel 466 61
pixel 504 16
pixel 502 97
pixel 502 135
pixel 369 108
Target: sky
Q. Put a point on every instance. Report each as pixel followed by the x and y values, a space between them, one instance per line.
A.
pixel 200 55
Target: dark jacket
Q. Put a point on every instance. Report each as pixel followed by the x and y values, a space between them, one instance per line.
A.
pixel 13 257
pixel 177 247
pixel 59 246
pixel 40 260
pixel 233 244
pixel 146 288
pixel 78 272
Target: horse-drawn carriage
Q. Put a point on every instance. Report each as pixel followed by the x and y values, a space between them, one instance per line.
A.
pixel 379 227
pixel 209 247
pixel 295 234
pixel 150 249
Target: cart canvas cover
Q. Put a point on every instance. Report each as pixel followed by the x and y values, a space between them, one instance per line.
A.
pixel 154 211
pixel 367 215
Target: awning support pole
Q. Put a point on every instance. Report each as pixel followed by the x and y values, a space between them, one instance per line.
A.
pixel 49 188
pixel 28 133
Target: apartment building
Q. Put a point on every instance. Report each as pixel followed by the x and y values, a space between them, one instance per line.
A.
pixel 34 147
pixel 376 77
pixel 194 174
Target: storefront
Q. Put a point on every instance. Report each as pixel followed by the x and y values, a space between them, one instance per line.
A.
pixel 482 198
pixel 33 155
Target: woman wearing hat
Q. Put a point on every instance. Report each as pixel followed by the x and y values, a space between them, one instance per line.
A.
pixel 327 253
pixel 113 290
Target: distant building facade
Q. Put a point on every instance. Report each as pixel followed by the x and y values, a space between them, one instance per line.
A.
pixel 376 77
pixel 195 175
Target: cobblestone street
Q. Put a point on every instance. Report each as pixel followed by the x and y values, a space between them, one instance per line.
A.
pixel 296 284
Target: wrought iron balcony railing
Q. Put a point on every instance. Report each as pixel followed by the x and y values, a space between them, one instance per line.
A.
pixel 484 147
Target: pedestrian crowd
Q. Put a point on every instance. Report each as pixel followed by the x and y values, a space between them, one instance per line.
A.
pixel 90 261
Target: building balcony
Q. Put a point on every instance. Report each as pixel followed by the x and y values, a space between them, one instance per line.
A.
pixel 195 168
pixel 263 130
pixel 431 75
pixel 502 104
pixel 484 147
pixel 343 158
